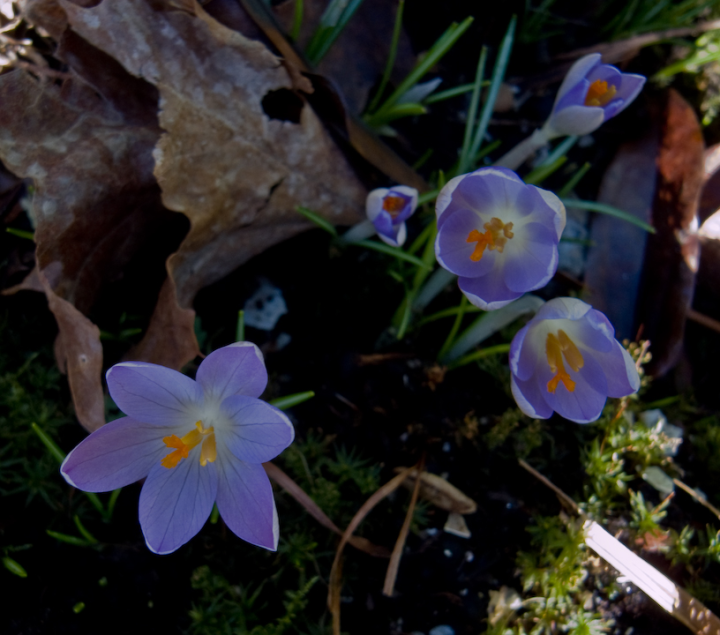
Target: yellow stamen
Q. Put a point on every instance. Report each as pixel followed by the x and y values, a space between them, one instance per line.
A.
pixel 495 236
pixel 557 346
pixel 599 94
pixel 208 451
pixel 394 205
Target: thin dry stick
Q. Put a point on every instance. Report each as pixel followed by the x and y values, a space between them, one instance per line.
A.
pixel 697 496
pixel 394 564
pixel 335 572
pixel 676 601
pixel 297 492
pixel 703 319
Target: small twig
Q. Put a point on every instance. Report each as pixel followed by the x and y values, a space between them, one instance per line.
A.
pixel 40 71
pixel 697 497
pixel 560 494
pixel 703 319
pixel 394 564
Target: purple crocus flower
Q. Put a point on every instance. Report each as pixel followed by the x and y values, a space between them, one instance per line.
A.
pixel 591 94
pixel 197 441
pixel 498 235
pixel 388 209
pixel 567 360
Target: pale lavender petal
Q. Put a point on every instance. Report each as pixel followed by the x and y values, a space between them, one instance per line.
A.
pixel 578 71
pixel 374 202
pixel 630 87
pixel 154 394
pixel 613 108
pixel 523 369
pixel 397 237
pixel 562 309
pixel 577 120
pixel 383 224
pixel 529 398
pixel 488 292
pixel 176 502
pixel 118 454
pixel 259 432
pixel 245 501
pixel 573 97
pixel 531 260
pixel 605 73
pixel 620 371
pixel 444 202
pixel 586 402
pixel 237 369
pixel 407 210
pixel 452 249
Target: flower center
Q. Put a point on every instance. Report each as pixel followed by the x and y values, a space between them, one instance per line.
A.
pixel 495 236
pixel 599 93
pixel 557 346
pixel 393 205
pixel 182 447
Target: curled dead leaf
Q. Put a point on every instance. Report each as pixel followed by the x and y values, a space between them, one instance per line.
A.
pixel 439 492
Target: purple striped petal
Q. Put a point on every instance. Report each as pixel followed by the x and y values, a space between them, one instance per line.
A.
pixel 488 292
pixel 630 87
pixel 620 371
pixel 578 71
pixel 237 369
pixel 245 501
pixel 529 398
pixel 116 455
pixel 259 432
pixel 586 402
pixel 154 394
pixel 452 249
pixel 176 502
pixel 530 260
pixel 573 97
pixel 605 73
pixel 577 120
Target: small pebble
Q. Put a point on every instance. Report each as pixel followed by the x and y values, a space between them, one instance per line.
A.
pixel 431 531
pixel 463 592
pixel 446 447
pixel 469 556
pixel 448 553
pixel 443 629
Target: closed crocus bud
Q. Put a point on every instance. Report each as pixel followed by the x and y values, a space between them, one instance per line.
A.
pixel 388 209
pixel 591 94
pixel 498 235
pixel 567 360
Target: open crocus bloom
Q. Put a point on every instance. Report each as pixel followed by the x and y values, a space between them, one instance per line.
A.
pixel 567 360
pixel 591 94
pixel 388 209
pixel 197 442
pixel 498 235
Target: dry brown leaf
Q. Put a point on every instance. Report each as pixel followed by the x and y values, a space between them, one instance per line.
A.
pixel 440 493
pixel 233 171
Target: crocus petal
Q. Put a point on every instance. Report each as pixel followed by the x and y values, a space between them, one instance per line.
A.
pixel 605 73
pixel 563 309
pixel 577 120
pixel 259 432
pixel 237 369
pixel 118 454
pixel 489 292
pixel 154 394
pixel 574 97
pixel 586 402
pixel 613 108
pixel 532 259
pixel 397 237
pixel 578 71
pixel 630 87
pixel 452 249
pixel 556 205
pixel 383 224
pixel 176 502
pixel 374 202
pixel 620 371
pixel 245 501
pixel 529 398
pixel 412 194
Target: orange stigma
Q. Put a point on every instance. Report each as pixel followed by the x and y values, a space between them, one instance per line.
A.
pixel 182 447
pixel 495 236
pixel 557 347
pixel 393 205
pixel 599 93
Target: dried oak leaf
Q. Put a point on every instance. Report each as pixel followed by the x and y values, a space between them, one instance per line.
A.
pixel 237 173
pixel 88 151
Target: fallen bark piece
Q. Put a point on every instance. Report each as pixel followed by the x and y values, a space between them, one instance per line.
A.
pixel 439 492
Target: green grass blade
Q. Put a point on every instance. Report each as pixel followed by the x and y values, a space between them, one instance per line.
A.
pixel 317 219
pixel 240 327
pixel 390 251
pixel 464 161
pixel 602 208
pixel 71 540
pixel 20 233
pixel 14 567
pixel 482 353
pixel 540 173
pixel 455 328
pixel 52 447
pixel 297 20
pixel 84 532
pixel 495 82
pixel 399 110
pixel 573 181
pixel 397 29
pixel 283 403
pixel 444 43
pixel 560 150
pixel 449 93
pixel 332 23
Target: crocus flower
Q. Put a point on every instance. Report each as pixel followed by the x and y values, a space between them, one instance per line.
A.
pixel 498 235
pixel 388 209
pixel 197 441
pixel 567 360
pixel 591 94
